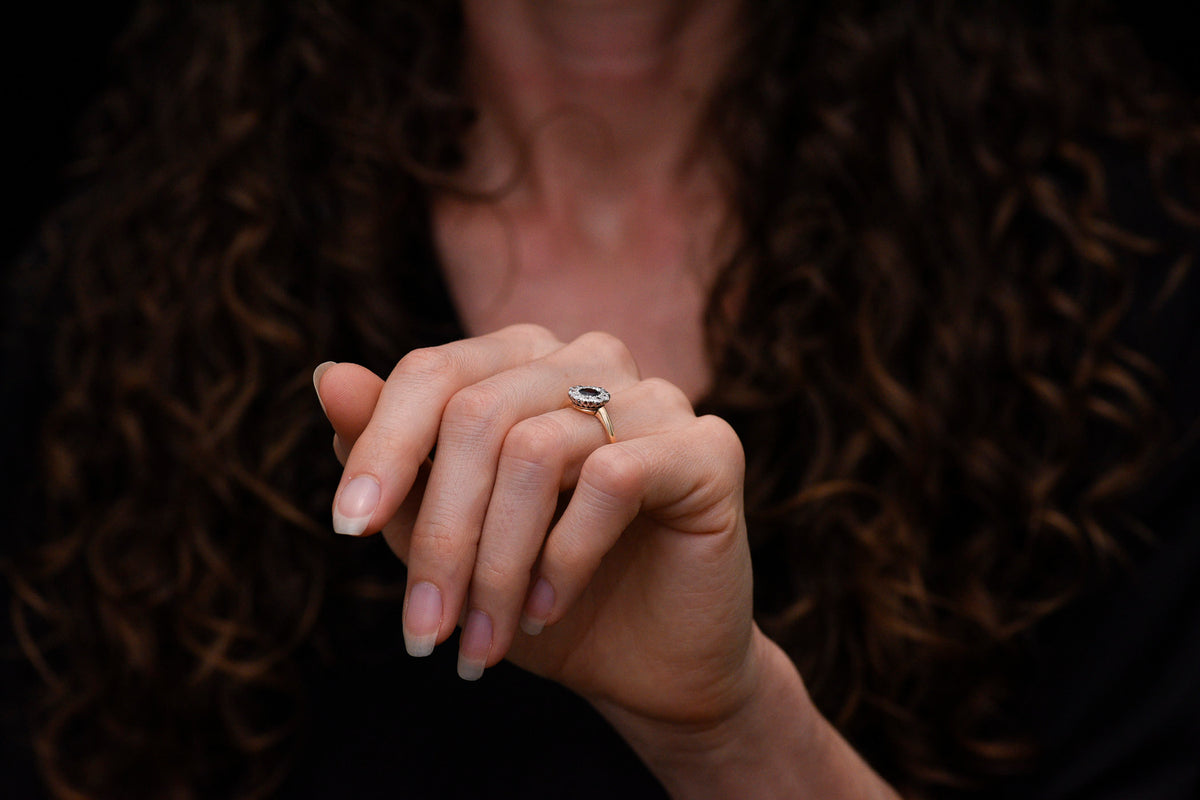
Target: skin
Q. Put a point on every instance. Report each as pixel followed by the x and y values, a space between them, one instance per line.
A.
pixel 616 219
pixel 620 570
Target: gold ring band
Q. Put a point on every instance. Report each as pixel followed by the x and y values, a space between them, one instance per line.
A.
pixel 602 415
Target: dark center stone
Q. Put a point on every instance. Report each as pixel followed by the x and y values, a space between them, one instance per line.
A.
pixel 590 391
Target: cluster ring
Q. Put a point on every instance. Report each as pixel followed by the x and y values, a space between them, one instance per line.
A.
pixel 591 400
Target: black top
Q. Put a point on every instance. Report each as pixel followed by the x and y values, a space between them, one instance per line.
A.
pixel 1114 699
pixel 403 727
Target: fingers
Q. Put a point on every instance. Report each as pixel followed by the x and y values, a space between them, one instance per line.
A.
pixel 540 457
pixel 476 421
pixel 689 477
pixel 529 473
pixel 383 463
pixel 348 394
pixel 472 525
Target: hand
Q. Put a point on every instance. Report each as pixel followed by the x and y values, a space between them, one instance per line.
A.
pixel 642 584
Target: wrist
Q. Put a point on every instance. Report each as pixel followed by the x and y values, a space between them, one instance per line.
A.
pixel 721 756
pixel 771 743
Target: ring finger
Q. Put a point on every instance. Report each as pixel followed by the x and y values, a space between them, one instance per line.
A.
pixel 541 457
pixel 442 551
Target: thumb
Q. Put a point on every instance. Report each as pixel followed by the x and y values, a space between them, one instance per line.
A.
pixel 348 394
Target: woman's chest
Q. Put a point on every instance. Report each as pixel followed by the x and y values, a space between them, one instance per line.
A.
pixel 650 291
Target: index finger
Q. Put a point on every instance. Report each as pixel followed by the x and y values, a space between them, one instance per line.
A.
pixel 403 429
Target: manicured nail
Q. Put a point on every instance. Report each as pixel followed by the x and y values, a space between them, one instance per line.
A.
pixel 340 450
pixel 474 646
pixel 355 505
pixel 538 607
pixel 317 373
pixel 422 619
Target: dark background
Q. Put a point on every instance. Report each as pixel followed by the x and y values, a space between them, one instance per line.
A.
pixel 57 56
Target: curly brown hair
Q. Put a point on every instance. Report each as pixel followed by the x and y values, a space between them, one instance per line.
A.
pixel 940 420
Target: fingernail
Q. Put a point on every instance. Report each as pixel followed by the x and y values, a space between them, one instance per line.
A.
pixel 317 373
pixel 538 607
pixel 355 505
pixel 340 450
pixel 474 646
pixel 422 619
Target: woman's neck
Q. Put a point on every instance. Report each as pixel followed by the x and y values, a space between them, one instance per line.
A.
pixel 591 116
pixel 592 97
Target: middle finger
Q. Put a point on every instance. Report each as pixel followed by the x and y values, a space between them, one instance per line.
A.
pixel 540 458
pixel 442 551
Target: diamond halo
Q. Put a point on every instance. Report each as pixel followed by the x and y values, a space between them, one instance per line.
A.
pixel 588 398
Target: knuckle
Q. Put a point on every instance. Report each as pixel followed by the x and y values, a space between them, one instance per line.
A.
pixel 533 444
pixel 530 332
pixel 473 408
pixel 491 579
pixel 614 472
pixel 436 542
pixel 610 349
pixel 667 395
pixel 426 364
pixel 568 556
pixel 384 442
pixel 724 441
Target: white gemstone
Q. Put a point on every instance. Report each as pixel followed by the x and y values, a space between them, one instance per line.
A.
pixel 588 397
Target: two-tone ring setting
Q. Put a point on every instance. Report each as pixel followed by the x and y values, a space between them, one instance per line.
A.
pixel 591 400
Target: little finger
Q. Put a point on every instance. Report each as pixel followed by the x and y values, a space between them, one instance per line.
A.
pixel 541 457
pixel 689 480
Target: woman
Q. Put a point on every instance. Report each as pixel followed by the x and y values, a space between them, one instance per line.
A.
pixel 902 259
